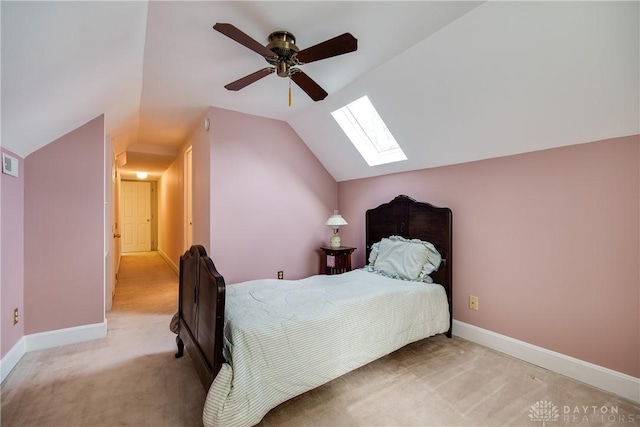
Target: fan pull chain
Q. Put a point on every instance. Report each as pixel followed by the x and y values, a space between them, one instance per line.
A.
pixel 289 91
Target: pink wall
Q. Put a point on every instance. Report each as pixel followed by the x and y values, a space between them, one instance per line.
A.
pixel 64 231
pixel 270 198
pixel 12 253
pixel 171 211
pixel 548 241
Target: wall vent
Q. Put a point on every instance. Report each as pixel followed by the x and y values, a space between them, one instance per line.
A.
pixel 9 165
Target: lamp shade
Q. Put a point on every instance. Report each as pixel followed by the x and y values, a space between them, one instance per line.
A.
pixel 335 220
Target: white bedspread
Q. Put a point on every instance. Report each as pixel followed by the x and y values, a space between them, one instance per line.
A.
pixel 285 337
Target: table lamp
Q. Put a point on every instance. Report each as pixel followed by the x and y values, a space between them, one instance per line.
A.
pixel 335 221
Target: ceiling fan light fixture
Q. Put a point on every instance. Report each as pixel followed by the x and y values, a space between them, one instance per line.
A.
pixel 282 69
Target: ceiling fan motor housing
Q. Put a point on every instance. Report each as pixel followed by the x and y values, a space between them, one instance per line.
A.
pixel 283 44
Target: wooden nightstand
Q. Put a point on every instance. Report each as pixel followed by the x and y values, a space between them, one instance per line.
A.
pixel 336 260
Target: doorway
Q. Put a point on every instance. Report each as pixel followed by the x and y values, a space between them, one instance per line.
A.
pixel 136 216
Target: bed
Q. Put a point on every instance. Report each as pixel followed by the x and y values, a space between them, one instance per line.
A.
pixel 259 343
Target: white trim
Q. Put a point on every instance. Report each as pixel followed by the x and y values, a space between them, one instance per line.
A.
pixel 598 376
pixel 77 334
pixel 50 339
pixel 11 359
pixel 173 266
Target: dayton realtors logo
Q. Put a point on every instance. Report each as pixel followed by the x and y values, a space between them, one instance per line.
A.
pixel 545 411
pixel 599 414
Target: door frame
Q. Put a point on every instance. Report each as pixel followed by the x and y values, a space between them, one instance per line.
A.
pixel 188 197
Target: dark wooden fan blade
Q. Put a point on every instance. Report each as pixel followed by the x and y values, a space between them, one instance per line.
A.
pixel 309 86
pixel 339 45
pixel 251 78
pixel 237 35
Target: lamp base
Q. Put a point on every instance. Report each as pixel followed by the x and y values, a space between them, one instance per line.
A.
pixel 334 242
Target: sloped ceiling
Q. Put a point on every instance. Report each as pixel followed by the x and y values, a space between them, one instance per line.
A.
pixel 454 81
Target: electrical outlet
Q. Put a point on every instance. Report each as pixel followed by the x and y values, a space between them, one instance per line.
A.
pixel 473 302
pixel 280 275
pixel 15 316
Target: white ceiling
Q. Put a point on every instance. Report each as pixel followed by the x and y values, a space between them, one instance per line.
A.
pixel 454 81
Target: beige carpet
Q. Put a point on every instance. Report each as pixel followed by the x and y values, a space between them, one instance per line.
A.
pixel 130 378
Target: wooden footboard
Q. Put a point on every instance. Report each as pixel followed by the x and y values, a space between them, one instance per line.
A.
pixel 201 313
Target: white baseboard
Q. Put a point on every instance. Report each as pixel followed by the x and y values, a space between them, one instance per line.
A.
pixel 173 266
pixel 604 378
pixel 11 359
pixel 77 334
pixel 50 339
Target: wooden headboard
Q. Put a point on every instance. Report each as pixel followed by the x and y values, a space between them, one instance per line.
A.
pixel 403 216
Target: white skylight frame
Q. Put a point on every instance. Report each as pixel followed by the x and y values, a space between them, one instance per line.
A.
pixel 368 133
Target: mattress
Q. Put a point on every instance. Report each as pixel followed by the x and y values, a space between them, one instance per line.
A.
pixel 285 337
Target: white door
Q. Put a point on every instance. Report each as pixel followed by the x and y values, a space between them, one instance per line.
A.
pixel 136 216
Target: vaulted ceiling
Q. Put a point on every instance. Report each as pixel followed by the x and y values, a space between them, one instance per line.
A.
pixel 455 81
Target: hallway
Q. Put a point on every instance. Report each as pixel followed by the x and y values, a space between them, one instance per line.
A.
pixel 128 378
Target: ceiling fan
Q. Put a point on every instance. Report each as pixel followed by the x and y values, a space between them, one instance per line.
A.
pixel 284 56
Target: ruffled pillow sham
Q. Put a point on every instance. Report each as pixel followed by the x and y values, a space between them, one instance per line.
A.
pixel 406 259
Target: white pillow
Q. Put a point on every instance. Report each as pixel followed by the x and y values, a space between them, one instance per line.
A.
pixel 431 264
pixel 404 259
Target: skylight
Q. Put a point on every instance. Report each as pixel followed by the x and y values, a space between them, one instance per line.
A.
pixel 365 128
